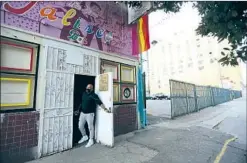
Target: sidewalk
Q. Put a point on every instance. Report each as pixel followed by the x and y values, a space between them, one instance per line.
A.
pixel 123 152
pixel 186 139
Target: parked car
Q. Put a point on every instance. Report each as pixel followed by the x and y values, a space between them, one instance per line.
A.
pixel 161 96
pixel 151 97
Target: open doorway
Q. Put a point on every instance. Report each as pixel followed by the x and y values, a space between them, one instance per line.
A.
pixel 80 83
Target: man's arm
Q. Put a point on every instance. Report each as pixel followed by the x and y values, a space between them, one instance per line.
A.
pixel 99 102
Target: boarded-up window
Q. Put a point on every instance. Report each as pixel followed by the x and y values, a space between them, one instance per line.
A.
pixel 18 74
pixel 16 91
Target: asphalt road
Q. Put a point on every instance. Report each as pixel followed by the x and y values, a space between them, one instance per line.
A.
pixel 235 121
pixel 227 120
pixel 160 108
pixel 158 111
pixel 190 145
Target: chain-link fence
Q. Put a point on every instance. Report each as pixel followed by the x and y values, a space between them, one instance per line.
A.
pixel 187 98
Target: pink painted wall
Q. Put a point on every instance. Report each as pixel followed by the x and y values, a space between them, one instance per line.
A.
pixel 103 17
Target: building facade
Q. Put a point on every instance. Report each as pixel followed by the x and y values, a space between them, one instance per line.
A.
pixel 182 55
pixel 190 58
pixel 49 51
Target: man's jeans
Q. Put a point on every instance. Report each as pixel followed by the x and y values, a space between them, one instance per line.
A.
pixel 89 118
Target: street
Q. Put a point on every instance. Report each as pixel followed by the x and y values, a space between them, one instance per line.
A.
pixel 212 135
pixel 158 111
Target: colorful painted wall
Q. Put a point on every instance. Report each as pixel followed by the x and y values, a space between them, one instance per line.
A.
pixel 99 25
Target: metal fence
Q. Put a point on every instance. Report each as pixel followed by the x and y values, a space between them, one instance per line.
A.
pixel 188 98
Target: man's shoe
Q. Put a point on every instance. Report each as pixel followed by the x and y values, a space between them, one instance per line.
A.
pixel 90 143
pixel 83 139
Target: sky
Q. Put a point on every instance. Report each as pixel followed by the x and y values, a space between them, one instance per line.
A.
pixel 165 25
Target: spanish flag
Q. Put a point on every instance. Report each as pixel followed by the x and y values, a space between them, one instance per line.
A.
pixel 140 36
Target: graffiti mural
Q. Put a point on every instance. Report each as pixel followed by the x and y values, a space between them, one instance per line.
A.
pixel 99 25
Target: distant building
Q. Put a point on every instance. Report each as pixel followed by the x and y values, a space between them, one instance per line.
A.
pixel 182 55
pixel 192 59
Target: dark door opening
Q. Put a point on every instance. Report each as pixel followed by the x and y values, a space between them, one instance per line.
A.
pixel 80 84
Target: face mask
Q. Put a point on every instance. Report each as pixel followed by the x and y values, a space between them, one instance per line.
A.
pixel 88 90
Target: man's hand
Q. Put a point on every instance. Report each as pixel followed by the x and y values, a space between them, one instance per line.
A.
pixel 104 108
pixel 76 112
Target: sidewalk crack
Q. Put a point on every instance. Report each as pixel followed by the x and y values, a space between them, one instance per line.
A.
pixel 142 145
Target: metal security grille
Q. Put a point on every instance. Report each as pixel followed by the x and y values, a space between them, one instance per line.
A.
pixel 204 98
pixel 57 112
pixel 188 98
pixel 236 94
pixel 182 98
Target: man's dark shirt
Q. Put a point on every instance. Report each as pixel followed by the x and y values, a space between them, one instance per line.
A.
pixel 89 102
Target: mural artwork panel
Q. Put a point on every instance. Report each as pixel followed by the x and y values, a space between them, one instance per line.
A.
pixel 99 25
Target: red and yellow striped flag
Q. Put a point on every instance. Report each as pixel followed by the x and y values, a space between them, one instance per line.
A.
pixel 140 36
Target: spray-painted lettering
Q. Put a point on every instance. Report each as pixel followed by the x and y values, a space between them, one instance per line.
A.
pixel 49 13
pixel 74 33
pixel 108 37
pixel 18 11
pixel 89 29
pixel 69 15
pixel 77 24
pixel 99 33
pixel 77 30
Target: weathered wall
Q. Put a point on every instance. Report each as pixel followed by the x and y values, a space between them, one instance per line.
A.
pixel 19 136
pixel 99 25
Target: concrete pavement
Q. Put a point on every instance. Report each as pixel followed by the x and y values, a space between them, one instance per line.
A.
pixel 159 108
pixel 201 137
pixel 158 111
pixel 228 118
pixel 191 145
pixel 158 145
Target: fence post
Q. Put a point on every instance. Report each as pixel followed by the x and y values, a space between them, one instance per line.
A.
pixel 212 96
pixel 195 96
pixel 171 94
pixel 187 104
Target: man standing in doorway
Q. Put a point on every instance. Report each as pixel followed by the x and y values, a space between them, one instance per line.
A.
pixel 90 100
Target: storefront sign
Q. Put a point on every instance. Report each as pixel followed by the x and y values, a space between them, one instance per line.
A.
pixel 103 82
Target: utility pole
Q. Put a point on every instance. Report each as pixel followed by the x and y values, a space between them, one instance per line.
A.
pixel 148 73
